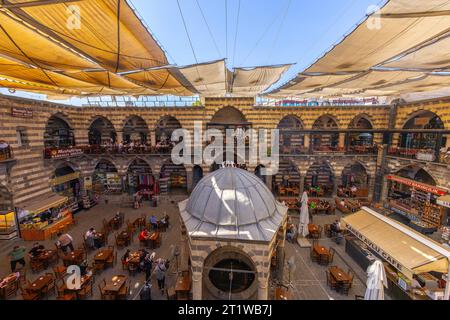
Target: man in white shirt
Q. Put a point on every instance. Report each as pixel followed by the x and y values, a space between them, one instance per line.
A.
pixel 89 237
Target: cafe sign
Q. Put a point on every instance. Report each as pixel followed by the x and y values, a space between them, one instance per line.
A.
pixel 418 185
pixel 21 113
pixel 65 153
pixel 375 248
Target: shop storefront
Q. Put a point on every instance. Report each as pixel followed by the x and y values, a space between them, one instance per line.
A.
pixel 139 177
pixel 417 268
pixel 417 202
pixel 8 226
pixel 66 183
pixel 106 179
pixel 40 218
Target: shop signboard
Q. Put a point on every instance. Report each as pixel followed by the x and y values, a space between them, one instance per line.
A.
pixel 21 113
pixel 66 178
pixel 444 201
pixel 397 265
pixel 65 153
pixel 417 185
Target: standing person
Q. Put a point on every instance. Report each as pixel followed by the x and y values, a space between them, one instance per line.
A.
pixel 89 237
pixel 160 271
pixel 65 241
pixel 146 292
pixel 17 255
pixel 154 222
pixel 36 250
pixel 148 264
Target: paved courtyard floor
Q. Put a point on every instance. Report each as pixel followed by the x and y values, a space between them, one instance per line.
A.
pixel 308 279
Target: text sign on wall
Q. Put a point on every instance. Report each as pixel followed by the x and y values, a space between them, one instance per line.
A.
pixel 418 185
pixel 21 113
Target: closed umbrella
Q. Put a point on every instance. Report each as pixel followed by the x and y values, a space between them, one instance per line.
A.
pixel 376 281
pixel 304 216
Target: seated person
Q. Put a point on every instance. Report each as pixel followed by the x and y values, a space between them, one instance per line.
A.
pixel 89 238
pixel 36 250
pixel 154 222
pixel 336 226
pixel 126 257
pixel 165 220
pixel 290 233
pixel 144 235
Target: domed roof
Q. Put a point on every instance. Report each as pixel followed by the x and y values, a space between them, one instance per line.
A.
pixel 232 203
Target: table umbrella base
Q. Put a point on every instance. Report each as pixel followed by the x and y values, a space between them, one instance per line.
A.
pixel 303 242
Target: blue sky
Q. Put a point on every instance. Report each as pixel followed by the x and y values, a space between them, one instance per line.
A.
pixel 268 31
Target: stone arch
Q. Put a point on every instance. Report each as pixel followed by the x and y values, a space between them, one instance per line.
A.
pixel 139 175
pixel 102 168
pixel 229 115
pixel 353 175
pixel 326 121
pixel 134 127
pixel 325 142
pixel 101 129
pixel 245 285
pixel 291 141
pixel 320 174
pixel 288 176
pixel 411 116
pixel 359 119
pixel 165 126
pixel 58 131
pixel 419 173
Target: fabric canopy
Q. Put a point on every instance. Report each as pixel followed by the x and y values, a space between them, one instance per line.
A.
pixel 411 253
pixel 250 82
pixel 40 205
pixel 107 31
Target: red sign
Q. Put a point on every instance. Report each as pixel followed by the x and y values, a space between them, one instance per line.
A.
pixel 63 153
pixel 418 185
pixel 21 113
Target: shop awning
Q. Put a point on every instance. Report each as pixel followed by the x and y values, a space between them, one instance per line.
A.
pixel 40 205
pixel 405 249
pixel 418 185
pixel 444 201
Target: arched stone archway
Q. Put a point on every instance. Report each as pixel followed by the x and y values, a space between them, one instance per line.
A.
pixel 106 178
pixel 325 142
pixel 360 141
pixel 319 179
pixel 173 178
pixel 217 282
pixel 135 129
pixel 58 132
pixel 101 132
pixel 291 140
pixel 66 181
pixel 287 178
pixel 139 176
pixel 197 175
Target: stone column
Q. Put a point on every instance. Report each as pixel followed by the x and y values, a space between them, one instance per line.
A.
pixel 302 185
pixel 384 191
pixel 153 138
pixel 119 137
pixel 306 141
pixel 395 139
pixel 189 179
pixel 341 141
pixel 197 293
pixel 337 182
pixel 263 288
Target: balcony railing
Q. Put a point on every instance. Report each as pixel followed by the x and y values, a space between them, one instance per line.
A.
pixel 420 154
pixel 5 152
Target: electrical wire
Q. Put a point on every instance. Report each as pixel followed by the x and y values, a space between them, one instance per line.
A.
pixel 209 29
pixel 237 30
pixel 272 49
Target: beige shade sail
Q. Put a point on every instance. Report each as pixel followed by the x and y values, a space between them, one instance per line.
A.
pixel 422 84
pixel 250 82
pixel 106 31
pixel 399 26
pixel 22 42
pixel 45 203
pixel 433 56
pixel 306 83
pixel 376 78
pixel 411 252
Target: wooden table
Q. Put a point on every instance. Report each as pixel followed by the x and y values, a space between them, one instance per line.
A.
pixel 339 275
pixel 282 294
pixel 320 250
pixel 99 239
pixel 46 256
pixel 115 284
pixel 313 229
pixel 103 255
pixel 39 284
pixel 183 286
pixel 134 258
pixel 125 236
pixel 75 257
pixel 83 281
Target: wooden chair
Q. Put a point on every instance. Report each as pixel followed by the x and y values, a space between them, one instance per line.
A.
pixel 10 290
pixel 327 230
pixel 101 289
pixel 120 242
pixel 330 281
pixel 171 294
pixel 124 292
pixel 67 297
pixel 36 265
pixel 130 227
pixel 60 287
pixel 313 254
pixel 87 290
pixel 28 294
pixel 60 272
pixel 327 259
pixel 98 266
pixel 345 288
pixel 50 287
pixel 112 260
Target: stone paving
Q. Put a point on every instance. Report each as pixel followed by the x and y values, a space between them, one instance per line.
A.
pixel 308 279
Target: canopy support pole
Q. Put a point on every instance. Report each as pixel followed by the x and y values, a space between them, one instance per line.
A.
pixel 447 286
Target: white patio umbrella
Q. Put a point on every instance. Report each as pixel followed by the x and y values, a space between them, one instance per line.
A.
pixel 376 281
pixel 304 216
